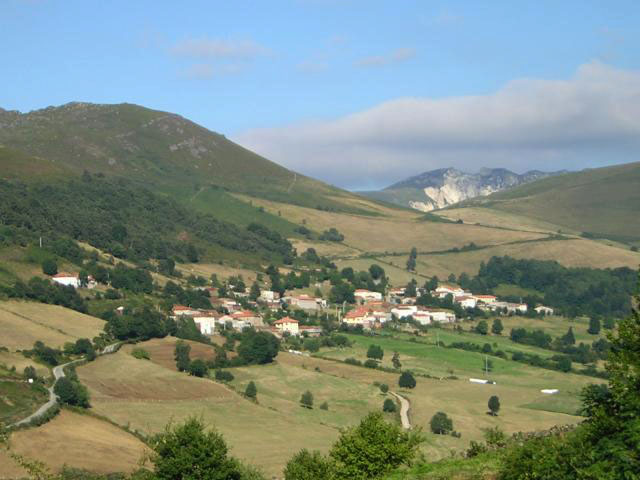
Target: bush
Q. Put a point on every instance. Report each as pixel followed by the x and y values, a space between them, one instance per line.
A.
pixel 441 424
pixel 49 267
pixel 71 392
pixel 306 400
pixel 353 361
pixel 198 368
pixel 324 406
pixel 224 376
pixel 251 391
pixel 389 406
pixel 407 380
pixel 375 352
pixel 140 354
pixel 307 465
pixel 370 363
pixel 384 388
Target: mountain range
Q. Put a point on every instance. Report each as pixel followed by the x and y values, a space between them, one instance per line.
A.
pixel 440 188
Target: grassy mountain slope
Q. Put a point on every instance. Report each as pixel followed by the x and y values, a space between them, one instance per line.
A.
pixel 602 201
pixel 157 148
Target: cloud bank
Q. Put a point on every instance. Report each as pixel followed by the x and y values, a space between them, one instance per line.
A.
pixel 590 119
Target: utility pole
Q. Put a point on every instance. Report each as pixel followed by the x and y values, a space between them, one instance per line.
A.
pixel 40 242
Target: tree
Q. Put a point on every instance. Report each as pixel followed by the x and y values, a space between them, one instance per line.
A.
pixel 494 405
pixel 306 400
pixel 72 392
pixel 441 424
pixel 181 355
pixel 254 293
pixel 568 338
pixel 482 328
pixel 496 327
pixel 384 388
pixel 311 344
pixel 306 465
pixel 411 289
pixel 407 380
pixel 258 347
pixel 49 267
pixel 389 406
pixel 376 271
pixel 30 372
pixel 411 262
pixel 609 323
pixel 188 451
pixel 192 253
pixel 324 406
pixel 375 352
pixel 594 326
pixel 372 449
pixel 395 360
pixel 251 391
pixel 198 368
pixel 564 363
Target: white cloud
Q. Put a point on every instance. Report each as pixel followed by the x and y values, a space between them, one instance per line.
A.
pixel 396 56
pixel 205 71
pixel 591 119
pixel 312 66
pixel 218 48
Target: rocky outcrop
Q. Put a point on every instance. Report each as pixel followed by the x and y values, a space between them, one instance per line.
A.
pixel 440 188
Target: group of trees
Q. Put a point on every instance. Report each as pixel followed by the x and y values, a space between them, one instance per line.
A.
pixel 41 290
pixel 570 291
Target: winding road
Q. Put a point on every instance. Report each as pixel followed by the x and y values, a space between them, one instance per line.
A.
pixel 58 373
pixel 404 410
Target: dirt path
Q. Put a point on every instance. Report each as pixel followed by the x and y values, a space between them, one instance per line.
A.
pixel 404 410
pixel 58 373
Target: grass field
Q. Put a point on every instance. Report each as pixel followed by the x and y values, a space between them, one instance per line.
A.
pixel 20 362
pixel 27 322
pixel 148 394
pixel 75 440
pixel 19 399
pixel 161 351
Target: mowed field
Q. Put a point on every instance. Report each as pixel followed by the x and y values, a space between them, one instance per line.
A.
pixel 74 440
pixel 147 396
pixel 23 323
pixel 397 230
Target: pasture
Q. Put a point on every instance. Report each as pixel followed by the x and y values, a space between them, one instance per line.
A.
pixel 23 323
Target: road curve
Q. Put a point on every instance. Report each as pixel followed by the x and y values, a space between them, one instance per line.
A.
pixel 58 373
pixel 404 410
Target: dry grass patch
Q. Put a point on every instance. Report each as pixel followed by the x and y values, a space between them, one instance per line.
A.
pixel 570 253
pixel 496 218
pixel 222 271
pixel 121 376
pixel 161 351
pixel 13 359
pixel 27 322
pixel 397 233
pixel 78 441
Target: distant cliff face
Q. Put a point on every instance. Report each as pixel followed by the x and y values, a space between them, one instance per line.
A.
pixel 440 188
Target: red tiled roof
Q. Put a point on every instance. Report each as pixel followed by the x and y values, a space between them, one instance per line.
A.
pixel 65 275
pixel 284 320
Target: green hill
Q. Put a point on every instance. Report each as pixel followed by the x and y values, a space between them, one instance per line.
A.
pixel 601 202
pixel 160 149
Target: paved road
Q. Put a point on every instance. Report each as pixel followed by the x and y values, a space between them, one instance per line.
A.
pixel 58 373
pixel 404 410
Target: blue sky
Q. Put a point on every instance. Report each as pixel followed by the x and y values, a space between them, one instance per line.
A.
pixel 282 77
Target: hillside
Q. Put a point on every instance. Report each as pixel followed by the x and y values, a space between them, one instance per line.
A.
pixel 440 188
pixel 601 202
pixel 160 149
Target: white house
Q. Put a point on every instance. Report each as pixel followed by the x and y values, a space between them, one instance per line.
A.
pixel 268 295
pixel 445 289
pixel 359 316
pixel 206 322
pixel 365 295
pixel 180 310
pixel 544 310
pixel 287 324
pixel 67 279
pixel 403 311
pixel 305 302
pixel 248 316
pixel 465 301
pixel 487 299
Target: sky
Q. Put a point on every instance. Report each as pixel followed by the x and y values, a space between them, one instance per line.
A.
pixel 360 94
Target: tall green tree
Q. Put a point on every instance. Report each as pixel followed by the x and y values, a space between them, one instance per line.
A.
pixel 497 327
pixel 373 449
pixel 182 356
pixel 395 360
pixel 494 405
pixel 251 391
pixel 482 327
pixel 306 399
pixel 407 380
pixel 594 326
pixel 441 424
pixel 189 451
pixel 49 267
pixel 411 261
pixel 375 352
